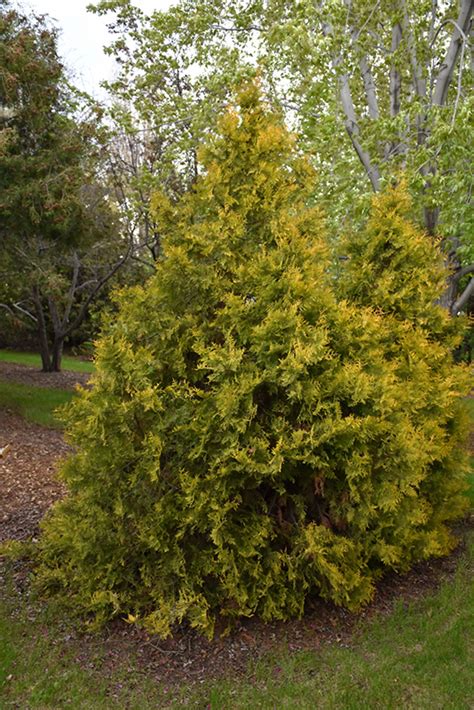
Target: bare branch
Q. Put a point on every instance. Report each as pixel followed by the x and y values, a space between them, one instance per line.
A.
pixel 351 124
pixel 459 87
pixel 419 82
pixel 434 15
pixel 463 298
pixel 352 129
pixel 85 285
pixel 7 308
pixel 232 28
pixel 460 273
pixel 369 86
pixel 395 80
pixel 18 308
pixel 369 17
pixel 146 263
pixel 42 329
pixel 458 39
pixel 367 78
pixel 100 284
pixel 72 289
pixel 53 310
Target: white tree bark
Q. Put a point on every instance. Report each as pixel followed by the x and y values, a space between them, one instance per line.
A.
pixel 459 35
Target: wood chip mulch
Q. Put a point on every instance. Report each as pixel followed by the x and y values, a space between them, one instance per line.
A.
pixel 28 485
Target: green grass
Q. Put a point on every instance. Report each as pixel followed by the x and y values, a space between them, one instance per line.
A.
pixel 470 478
pixel 34 360
pixel 418 656
pixel 36 404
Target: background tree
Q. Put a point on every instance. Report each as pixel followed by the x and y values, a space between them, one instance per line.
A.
pixel 160 111
pixel 373 86
pixel 60 236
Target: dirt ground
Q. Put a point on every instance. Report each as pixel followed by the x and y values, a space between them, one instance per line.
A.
pixel 28 487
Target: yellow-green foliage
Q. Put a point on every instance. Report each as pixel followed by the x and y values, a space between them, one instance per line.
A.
pixel 249 440
pixel 396 267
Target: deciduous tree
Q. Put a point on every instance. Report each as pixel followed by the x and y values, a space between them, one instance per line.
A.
pixel 60 238
pixel 373 86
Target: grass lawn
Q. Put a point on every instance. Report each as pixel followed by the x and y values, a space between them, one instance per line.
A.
pixel 470 404
pixel 37 404
pixel 34 360
pixel 418 656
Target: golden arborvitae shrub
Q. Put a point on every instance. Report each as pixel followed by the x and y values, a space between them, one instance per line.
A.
pixel 250 440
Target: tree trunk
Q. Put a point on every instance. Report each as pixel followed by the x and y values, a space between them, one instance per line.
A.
pixel 57 354
pixel 431 219
pixel 42 332
pixel 45 354
pixel 449 295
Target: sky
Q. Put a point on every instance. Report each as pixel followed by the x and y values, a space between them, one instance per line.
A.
pixel 82 37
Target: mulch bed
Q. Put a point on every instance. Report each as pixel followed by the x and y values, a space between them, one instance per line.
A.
pixel 28 487
pixel 191 658
pixel 22 374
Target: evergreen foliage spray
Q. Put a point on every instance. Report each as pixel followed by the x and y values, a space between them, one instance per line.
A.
pixel 249 439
